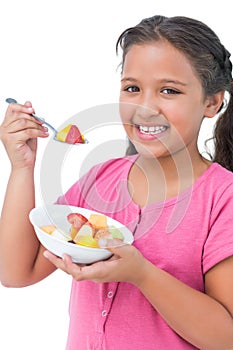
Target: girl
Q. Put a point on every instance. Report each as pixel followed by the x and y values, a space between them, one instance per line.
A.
pixel 173 288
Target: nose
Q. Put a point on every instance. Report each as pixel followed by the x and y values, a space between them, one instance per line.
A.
pixel 148 105
pixel 145 112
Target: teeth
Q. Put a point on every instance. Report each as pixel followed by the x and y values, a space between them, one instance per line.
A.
pixel 152 129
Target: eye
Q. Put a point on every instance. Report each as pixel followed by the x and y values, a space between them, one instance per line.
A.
pixel 169 91
pixel 131 88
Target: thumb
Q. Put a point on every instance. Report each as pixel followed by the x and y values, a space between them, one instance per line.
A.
pixel 122 250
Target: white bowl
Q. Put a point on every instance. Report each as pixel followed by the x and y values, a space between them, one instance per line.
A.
pixel 56 215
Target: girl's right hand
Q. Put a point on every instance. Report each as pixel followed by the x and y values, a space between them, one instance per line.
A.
pixel 19 132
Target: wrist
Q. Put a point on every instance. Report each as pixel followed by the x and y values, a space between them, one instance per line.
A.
pixel 142 276
pixel 22 171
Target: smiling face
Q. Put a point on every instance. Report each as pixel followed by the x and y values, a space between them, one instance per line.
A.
pixel 161 101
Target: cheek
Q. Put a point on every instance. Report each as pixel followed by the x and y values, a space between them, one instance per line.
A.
pixel 129 130
pixel 187 117
pixel 126 111
pixel 185 130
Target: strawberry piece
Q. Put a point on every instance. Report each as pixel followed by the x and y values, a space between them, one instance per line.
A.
pixel 77 220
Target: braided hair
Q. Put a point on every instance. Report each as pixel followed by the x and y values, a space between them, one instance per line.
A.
pixel 208 56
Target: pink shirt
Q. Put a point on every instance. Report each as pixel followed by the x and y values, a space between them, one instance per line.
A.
pixel 185 236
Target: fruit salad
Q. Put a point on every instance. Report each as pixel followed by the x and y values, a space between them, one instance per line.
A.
pixel 70 134
pixel 86 232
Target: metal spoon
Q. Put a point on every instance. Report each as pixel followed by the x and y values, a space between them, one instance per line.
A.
pixel 12 100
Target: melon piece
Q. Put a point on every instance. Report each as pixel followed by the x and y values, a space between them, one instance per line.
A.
pixel 116 233
pixel 53 231
pixel 88 241
pixel 61 135
pixel 48 228
pixel 103 233
pixel 110 233
pixel 85 230
pixel 77 221
pixel 58 234
pixel 70 134
pixel 74 135
pixel 98 221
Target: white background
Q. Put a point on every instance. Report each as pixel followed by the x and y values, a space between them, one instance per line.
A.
pixel 61 56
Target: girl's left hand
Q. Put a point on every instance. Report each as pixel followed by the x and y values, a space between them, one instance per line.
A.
pixel 126 265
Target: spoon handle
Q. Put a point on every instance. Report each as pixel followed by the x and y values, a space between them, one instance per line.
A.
pixel 44 122
pixel 12 100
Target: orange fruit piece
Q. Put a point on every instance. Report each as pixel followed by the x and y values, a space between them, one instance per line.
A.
pixel 98 221
pixel 48 228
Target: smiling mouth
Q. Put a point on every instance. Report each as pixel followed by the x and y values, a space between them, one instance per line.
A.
pixel 151 130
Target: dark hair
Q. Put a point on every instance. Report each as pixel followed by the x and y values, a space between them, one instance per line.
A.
pixel 209 58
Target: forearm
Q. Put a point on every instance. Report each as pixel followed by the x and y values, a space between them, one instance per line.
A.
pixel 195 316
pixel 19 246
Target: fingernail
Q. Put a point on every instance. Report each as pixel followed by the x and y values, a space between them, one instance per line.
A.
pixel 46 254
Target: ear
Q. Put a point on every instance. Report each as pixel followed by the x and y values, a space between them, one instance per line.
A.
pixel 214 104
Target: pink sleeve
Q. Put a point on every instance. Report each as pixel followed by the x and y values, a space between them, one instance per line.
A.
pixel 71 197
pixel 219 243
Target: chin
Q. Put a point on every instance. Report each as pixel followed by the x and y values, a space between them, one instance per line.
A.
pixel 144 151
pixel 149 150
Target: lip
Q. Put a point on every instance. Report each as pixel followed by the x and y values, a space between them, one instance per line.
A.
pixel 149 132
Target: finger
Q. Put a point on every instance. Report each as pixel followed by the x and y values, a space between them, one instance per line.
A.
pixel 65 263
pixel 24 124
pixel 101 271
pixel 110 243
pixel 55 260
pixel 16 111
pixel 123 250
pixel 28 104
pixel 73 269
pixel 79 272
pixel 19 138
pixel 52 257
pixel 23 136
pixel 26 108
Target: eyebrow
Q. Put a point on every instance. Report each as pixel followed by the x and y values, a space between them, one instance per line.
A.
pixel 173 81
pixel 128 79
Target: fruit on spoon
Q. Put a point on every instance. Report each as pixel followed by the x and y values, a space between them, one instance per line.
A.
pixel 70 134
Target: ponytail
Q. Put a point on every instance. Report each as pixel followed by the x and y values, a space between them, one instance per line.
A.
pixel 223 137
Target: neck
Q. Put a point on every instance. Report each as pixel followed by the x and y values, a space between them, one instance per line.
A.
pixel 176 172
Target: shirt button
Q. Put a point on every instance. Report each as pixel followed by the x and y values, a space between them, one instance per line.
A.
pixel 104 313
pixel 110 295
